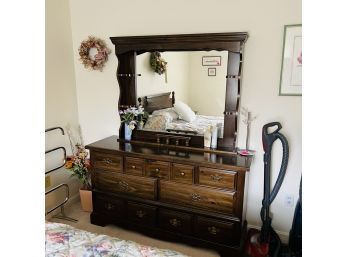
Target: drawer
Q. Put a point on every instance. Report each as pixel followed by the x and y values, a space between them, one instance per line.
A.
pixel 182 173
pixel 134 166
pixel 141 213
pixel 114 207
pixel 175 221
pixel 106 161
pixel 198 196
pixel 217 178
pixel 224 232
pixel 145 188
pixel 157 169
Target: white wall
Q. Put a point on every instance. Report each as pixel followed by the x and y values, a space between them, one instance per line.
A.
pixel 60 92
pixel 98 92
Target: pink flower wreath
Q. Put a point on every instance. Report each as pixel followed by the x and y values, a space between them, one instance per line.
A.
pixel 99 58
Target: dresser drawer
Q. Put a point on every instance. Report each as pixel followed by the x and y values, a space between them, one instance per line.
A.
pixel 217 231
pixel 106 161
pixel 126 184
pixel 175 221
pixel 217 178
pixel 157 169
pixel 110 206
pixel 182 173
pixel 197 196
pixel 134 166
pixel 141 213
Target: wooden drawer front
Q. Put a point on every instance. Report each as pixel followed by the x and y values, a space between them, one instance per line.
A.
pixel 201 197
pixel 217 178
pixel 217 231
pixel 106 161
pixel 144 214
pixel 175 221
pixel 182 173
pixel 157 169
pixel 127 184
pixel 115 207
pixel 134 166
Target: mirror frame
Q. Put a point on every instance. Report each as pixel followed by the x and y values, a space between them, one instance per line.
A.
pixel 127 48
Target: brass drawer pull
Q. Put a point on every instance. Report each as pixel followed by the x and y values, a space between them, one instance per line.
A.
pixel 123 185
pixel 196 197
pixel 140 213
pixel 175 222
pixel 215 177
pixel 157 170
pixel 109 206
pixel 107 161
pixel 182 173
pixel 133 166
pixel 213 230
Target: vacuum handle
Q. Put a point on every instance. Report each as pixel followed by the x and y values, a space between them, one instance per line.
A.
pixel 269 138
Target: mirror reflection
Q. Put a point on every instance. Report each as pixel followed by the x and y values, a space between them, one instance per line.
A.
pixel 198 80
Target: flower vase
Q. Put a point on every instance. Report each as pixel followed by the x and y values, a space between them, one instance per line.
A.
pixel 127 132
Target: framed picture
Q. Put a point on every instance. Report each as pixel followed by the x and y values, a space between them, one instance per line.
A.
pixel 291 71
pixel 211 60
pixel 211 71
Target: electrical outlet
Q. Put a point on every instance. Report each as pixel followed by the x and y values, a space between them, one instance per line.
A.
pixel 47 181
pixel 289 200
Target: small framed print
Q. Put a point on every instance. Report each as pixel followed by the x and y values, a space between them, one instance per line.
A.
pixel 211 71
pixel 211 60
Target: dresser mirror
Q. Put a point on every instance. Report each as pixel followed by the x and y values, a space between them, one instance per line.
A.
pixel 193 78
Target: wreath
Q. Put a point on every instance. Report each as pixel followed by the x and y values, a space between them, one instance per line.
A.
pixel 96 63
pixel 158 64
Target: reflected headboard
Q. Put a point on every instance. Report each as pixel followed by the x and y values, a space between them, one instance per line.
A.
pixel 156 102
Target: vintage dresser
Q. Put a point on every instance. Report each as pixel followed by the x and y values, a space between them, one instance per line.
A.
pixel 195 198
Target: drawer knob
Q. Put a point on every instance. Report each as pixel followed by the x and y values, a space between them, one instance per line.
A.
pixel 175 222
pixel 109 206
pixel 196 197
pixel 107 161
pixel 216 177
pixel 213 230
pixel 157 170
pixel 123 185
pixel 140 214
pixel 133 167
pixel 182 173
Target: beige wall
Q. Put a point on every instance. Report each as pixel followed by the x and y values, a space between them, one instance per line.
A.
pixel 60 93
pixel 98 92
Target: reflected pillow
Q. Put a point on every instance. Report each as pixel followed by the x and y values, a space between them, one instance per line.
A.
pixel 184 111
pixel 167 111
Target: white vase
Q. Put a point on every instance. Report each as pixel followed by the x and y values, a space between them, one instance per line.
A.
pixel 127 132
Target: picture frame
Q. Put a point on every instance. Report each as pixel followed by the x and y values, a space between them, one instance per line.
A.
pixel 211 71
pixel 211 60
pixel 291 67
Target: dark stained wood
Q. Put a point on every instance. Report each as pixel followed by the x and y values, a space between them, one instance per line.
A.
pixel 175 221
pixel 106 161
pixel 157 102
pixel 200 197
pixel 182 173
pixel 126 49
pixel 108 205
pixel 157 169
pixel 126 184
pixel 134 166
pixel 141 213
pixel 217 230
pixel 217 178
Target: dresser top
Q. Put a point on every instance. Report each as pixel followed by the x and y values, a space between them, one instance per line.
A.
pixel 111 144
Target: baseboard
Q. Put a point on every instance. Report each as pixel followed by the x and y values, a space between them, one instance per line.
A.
pixel 284 237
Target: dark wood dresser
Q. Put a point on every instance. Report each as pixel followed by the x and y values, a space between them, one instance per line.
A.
pixel 195 198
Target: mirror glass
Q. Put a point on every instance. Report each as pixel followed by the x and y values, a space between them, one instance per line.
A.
pixel 198 79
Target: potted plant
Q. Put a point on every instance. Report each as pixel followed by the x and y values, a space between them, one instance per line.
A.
pixel 132 117
pixel 79 166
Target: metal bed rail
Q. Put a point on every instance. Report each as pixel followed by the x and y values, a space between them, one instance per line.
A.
pixel 62 214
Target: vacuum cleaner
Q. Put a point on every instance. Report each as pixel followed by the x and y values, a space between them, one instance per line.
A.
pixel 266 243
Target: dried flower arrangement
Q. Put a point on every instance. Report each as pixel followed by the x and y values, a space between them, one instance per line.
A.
pixel 78 163
pixel 99 58
pixel 158 64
